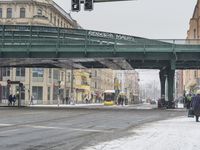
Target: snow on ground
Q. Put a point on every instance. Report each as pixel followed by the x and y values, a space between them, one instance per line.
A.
pixel 175 134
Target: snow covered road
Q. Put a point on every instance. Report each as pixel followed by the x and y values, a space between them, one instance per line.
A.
pixel 175 134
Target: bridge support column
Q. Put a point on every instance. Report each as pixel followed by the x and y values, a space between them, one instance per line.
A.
pixel 170 90
pixel 162 75
pixel 162 82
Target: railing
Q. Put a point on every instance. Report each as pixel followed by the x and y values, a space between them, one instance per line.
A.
pixel 30 34
pixel 19 36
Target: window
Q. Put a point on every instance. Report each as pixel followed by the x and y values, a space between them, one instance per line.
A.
pixel 5 92
pixel 49 93
pixel 68 77
pixel 20 72
pixel 58 22
pixel 22 13
pixel 195 74
pixel 6 72
pixel 9 12
pixel 62 76
pixel 95 85
pixel 56 74
pixel 61 24
pixel 39 12
pixel 51 18
pixel 55 20
pixel 1 15
pixel 50 72
pixel 37 92
pixel 95 73
pixel 194 33
pixel 38 72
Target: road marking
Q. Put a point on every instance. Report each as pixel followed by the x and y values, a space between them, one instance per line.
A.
pixel 2 132
pixel 49 127
pixel 90 130
pixel 5 125
pixel 41 127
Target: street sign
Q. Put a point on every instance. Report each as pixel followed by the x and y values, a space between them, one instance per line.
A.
pixel 13 82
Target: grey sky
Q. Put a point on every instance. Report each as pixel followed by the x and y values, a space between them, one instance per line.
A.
pixel 156 19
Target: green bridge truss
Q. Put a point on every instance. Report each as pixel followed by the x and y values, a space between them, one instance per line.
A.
pixel 31 46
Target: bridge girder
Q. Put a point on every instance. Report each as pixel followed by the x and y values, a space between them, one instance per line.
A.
pixel 25 45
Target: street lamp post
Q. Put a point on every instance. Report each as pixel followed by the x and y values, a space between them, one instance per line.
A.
pixel 72 84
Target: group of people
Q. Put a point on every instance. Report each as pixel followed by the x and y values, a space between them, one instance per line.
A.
pixel 11 100
pixel 122 100
pixel 193 102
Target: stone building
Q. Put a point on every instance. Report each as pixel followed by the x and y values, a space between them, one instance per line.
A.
pixel 35 12
pixel 191 78
pixel 45 84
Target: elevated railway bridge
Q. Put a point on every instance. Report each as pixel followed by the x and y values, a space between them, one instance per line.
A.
pixel 40 46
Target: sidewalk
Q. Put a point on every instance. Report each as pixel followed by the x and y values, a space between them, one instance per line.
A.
pixel 97 106
pixel 67 105
pixel 174 134
pixel 92 105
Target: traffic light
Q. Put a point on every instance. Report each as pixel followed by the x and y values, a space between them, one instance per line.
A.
pixel 88 5
pixel 76 5
pixel 8 82
pixel 21 84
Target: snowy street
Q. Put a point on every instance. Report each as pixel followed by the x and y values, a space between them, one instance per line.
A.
pixel 180 133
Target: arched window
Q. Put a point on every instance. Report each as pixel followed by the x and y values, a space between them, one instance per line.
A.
pixel 9 12
pixel 22 12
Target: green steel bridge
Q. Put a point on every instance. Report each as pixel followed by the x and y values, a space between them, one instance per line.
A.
pixel 92 49
pixel 41 46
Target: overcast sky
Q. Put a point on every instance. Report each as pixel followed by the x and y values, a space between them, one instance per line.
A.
pixel 156 19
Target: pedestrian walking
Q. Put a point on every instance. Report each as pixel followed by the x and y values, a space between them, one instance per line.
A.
pixel 86 100
pixel 67 100
pixel 32 98
pixel 10 100
pixel 13 100
pixel 195 104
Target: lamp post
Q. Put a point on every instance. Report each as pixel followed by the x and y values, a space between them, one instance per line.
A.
pixel 72 84
pixel 59 88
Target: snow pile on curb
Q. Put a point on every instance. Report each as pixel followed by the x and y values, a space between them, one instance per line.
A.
pixel 175 134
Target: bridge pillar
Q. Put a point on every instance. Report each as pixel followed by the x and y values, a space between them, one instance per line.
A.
pixel 170 89
pixel 162 75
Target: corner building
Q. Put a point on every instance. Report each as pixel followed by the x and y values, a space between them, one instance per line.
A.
pixel 35 12
pixel 42 83
pixel 191 78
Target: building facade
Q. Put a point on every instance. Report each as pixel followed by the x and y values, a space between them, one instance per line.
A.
pixel 46 85
pixel 43 84
pixel 128 82
pixel 35 12
pixel 101 80
pixel 191 78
